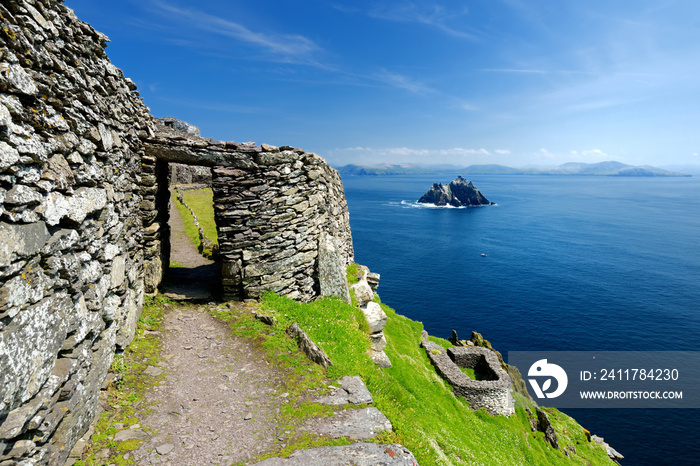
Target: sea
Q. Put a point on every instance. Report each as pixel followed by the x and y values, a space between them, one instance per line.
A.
pixel 573 263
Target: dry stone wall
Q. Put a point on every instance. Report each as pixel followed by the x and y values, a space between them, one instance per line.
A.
pixel 275 208
pixel 71 251
pixel 83 222
pixel 271 217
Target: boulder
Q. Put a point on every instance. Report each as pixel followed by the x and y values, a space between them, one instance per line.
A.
pixel 363 292
pixel 545 426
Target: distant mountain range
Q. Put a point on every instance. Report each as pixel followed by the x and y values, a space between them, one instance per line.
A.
pixel 572 168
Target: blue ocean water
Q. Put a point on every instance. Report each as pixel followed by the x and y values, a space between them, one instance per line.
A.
pixel 572 263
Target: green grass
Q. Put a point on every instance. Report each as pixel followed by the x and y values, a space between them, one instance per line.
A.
pixel 190 228
pixel 202 203
pixel 438 427
pixel 353 273
pixel 128 390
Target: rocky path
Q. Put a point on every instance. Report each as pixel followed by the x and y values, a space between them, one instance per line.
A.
pixel 216 403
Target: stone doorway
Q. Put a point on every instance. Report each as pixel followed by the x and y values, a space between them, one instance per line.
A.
pixel 192 271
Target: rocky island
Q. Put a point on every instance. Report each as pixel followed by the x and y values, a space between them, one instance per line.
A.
pixel 458 193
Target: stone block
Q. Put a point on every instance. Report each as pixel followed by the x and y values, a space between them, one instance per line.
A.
pixel 363 292
pixel 312 351
pixel 331 270
pixel 375 315
pixel 357 454
pixel 83 202
pixel 377 341
pixel 20 241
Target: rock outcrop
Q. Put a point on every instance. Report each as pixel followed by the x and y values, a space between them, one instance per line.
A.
pixel 458 193
pixel 375 315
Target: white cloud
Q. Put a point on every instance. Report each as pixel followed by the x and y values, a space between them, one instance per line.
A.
pixel 695 154
pixel 547 154
pixel 287 45
pixel 589 154
pixel 429 14
pixel 369 155
pixel 502 152
pixel 400 81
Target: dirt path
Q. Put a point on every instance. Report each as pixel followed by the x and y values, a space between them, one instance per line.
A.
pixel 217 401
pixel 181 248
pixel 197 278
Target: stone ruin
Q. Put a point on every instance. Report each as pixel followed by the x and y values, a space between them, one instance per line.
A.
pixel 84 174
pixel 491 393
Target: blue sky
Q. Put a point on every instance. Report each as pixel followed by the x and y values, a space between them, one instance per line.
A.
pixel 516 82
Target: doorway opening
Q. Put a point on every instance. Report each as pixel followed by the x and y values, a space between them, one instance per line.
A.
pixel 192 269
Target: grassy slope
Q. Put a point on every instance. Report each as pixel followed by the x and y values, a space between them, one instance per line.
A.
pixel 202 202
pixel 428 419
pixel 437 426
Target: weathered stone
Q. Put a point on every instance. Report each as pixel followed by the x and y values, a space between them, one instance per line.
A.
pixel 21 448
pixel 363 292
pixel 21 194
pixel 59 172
pixel 358 424
pixel 76 207
pixel 358 454
pixel 492 392
pixel 380 358
pixel 130 434
pixel 377 341
pixel 118 272
pixel 545 426
pixel 312 351
pixel 265 319
pixel 18 80
pixel 331 270
pixel 352 390
pixel 165 449
pixel 8 154
pixel 375 315
pixel 18 241
pixel 28 348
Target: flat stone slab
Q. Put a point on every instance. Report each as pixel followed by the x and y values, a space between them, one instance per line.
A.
pixel 352 390
pixel 130 434
pixel 360 424
pixel 358 454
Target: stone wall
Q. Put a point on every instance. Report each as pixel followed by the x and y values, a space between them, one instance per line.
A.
pixel 71 252
pixel 274 208
pixel 84 222
pixel 271 216
pixel 491 393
